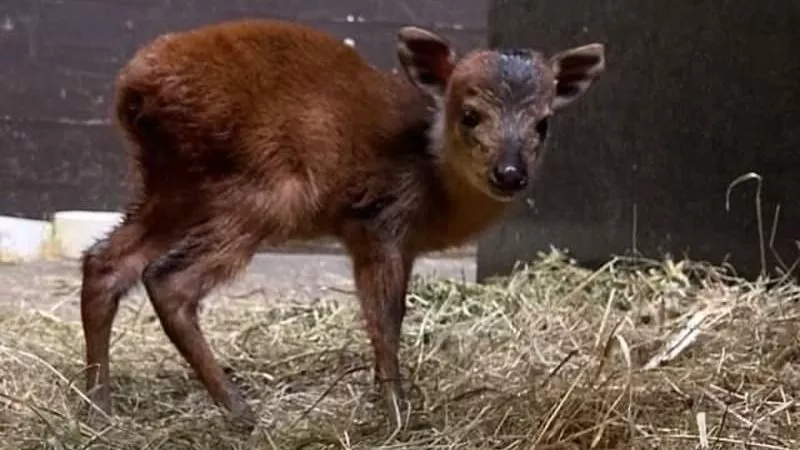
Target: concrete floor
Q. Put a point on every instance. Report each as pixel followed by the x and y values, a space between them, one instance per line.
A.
pixel 53 286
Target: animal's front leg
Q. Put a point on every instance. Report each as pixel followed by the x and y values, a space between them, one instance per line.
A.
pixel 381 273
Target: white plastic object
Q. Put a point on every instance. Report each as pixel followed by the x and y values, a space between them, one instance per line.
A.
pixel 23 239
pixel 75 231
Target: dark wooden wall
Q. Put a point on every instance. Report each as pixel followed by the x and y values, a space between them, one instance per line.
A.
pixel 58 60
pixel 696 94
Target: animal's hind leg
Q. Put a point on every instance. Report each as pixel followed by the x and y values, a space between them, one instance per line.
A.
pixel 110 268
pixel 177 281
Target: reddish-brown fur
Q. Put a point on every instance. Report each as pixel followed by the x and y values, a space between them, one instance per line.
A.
pixel 255 131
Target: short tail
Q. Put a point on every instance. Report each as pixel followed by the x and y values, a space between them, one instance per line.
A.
pixel 140 117
pixel 134 109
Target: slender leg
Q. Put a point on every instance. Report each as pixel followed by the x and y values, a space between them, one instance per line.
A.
pixel 177 282
pixel 381 275
pixel 110 268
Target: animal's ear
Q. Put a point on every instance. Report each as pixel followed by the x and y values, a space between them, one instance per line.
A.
pixel 575 70
pixel 426 58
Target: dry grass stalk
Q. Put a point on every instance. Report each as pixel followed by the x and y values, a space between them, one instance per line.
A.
pixel 554 357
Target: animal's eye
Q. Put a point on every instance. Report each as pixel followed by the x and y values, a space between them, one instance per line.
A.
pixel 470 118
pixel 541 128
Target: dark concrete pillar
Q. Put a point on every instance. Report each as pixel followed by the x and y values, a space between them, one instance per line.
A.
pixel 696 94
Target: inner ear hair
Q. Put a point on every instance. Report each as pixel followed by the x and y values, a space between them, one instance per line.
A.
pixel 586 60
pixel 575 70
pixel 426 57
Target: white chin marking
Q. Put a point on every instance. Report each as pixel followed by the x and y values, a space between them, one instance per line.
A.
pixel 504 199
pixel 498 196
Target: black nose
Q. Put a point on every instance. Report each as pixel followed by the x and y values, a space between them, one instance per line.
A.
pixel 509 177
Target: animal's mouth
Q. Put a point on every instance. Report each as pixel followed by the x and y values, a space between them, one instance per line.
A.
pixel 484 183
pixel 502 194
pixel 506 180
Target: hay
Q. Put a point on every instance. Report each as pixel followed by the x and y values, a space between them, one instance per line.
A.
pixel 554 357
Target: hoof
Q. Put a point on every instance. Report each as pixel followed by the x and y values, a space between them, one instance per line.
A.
pixel 397 408
pixel 97 420
pixel 97 414
pixel 243 419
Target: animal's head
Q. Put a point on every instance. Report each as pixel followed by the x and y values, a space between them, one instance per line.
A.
pixel 494 106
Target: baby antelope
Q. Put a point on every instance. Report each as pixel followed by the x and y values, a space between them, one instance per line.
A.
pixel 263 131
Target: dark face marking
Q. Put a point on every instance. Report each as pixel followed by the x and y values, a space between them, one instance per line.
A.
pixel 518 76
pixel 520 88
